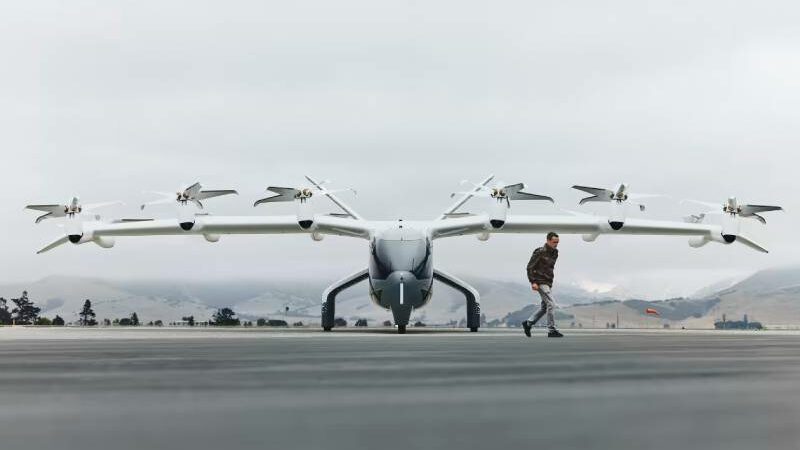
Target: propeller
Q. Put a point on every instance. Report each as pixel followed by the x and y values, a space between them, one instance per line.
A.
pixel 192 194
pixel 77 227
pixel 733 208
pixel 731 211
pixel 71 209
pixel 502 193
pixel 287 194
pixel 620 194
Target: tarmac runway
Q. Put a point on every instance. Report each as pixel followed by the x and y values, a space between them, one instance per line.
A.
pixel 429 389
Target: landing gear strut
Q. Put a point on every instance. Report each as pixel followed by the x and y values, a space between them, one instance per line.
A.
pixel 329 297
pixel 401 329
pixel 470 293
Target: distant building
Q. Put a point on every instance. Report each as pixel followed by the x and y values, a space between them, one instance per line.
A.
pixel 743 324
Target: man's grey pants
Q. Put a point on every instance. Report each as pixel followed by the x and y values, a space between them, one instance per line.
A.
pixel 548 305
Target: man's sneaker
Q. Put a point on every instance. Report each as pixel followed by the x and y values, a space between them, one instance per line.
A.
pixel 554 333
pixel 526 326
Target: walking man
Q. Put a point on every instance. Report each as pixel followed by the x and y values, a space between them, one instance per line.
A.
pixel 540 275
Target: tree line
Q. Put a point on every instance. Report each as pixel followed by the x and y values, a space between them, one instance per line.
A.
pixel 23 311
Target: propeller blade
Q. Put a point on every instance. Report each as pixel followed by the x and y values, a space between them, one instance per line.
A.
pixel 597 192
pixel 162 201
pixel 751 210
pixel 750 243
pixel 513 188
pixel 215 193
pixel 713 206
pixel 58 242
pixel 282 194
pixel 336 191
pixel 480 193
pixel 637 196
pixel 285 191
pixel 193 190
pixel 593 198
pixel 45 216
pixel 519 195
pixel 93 206
pixel 475 185
pixel 46 208
pixel 758 218
pixel 51 211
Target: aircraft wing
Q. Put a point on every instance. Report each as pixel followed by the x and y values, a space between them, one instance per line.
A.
pixel 207 226
pixel 583 224
pixel 221 225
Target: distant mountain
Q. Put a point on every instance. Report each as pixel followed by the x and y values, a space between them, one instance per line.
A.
pixel 252 299
pixel 770 296
pixel 780 279
pixel 713 288
pixel 64 296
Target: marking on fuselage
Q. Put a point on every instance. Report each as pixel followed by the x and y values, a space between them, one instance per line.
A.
pixel 401 292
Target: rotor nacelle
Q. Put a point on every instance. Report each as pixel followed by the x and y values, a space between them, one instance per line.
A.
pixel 88 236
pixel 498 213
pixel 730 228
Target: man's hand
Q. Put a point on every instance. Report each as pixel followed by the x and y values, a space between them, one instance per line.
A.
pixel 535 286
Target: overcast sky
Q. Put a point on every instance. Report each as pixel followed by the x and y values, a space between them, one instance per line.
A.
pixel 399 100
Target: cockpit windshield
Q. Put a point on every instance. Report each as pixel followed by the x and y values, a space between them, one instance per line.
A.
pixel 405 255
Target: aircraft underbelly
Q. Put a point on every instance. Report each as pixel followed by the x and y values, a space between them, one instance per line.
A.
pixel 400 290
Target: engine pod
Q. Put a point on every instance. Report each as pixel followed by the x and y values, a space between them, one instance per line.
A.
pixel 498 215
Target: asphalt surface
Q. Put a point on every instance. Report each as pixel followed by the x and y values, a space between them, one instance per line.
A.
pixel 132 389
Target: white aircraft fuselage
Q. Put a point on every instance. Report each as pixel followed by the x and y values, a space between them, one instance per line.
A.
pixel 401 270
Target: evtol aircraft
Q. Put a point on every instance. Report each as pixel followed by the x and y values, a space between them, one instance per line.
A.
pixel 400 270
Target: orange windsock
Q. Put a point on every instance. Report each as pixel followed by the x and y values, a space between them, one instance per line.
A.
pixel 651 311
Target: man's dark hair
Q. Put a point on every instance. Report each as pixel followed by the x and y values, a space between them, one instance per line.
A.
pixel 552 235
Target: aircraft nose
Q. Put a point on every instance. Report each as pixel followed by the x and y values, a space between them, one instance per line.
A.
pixel 402 288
